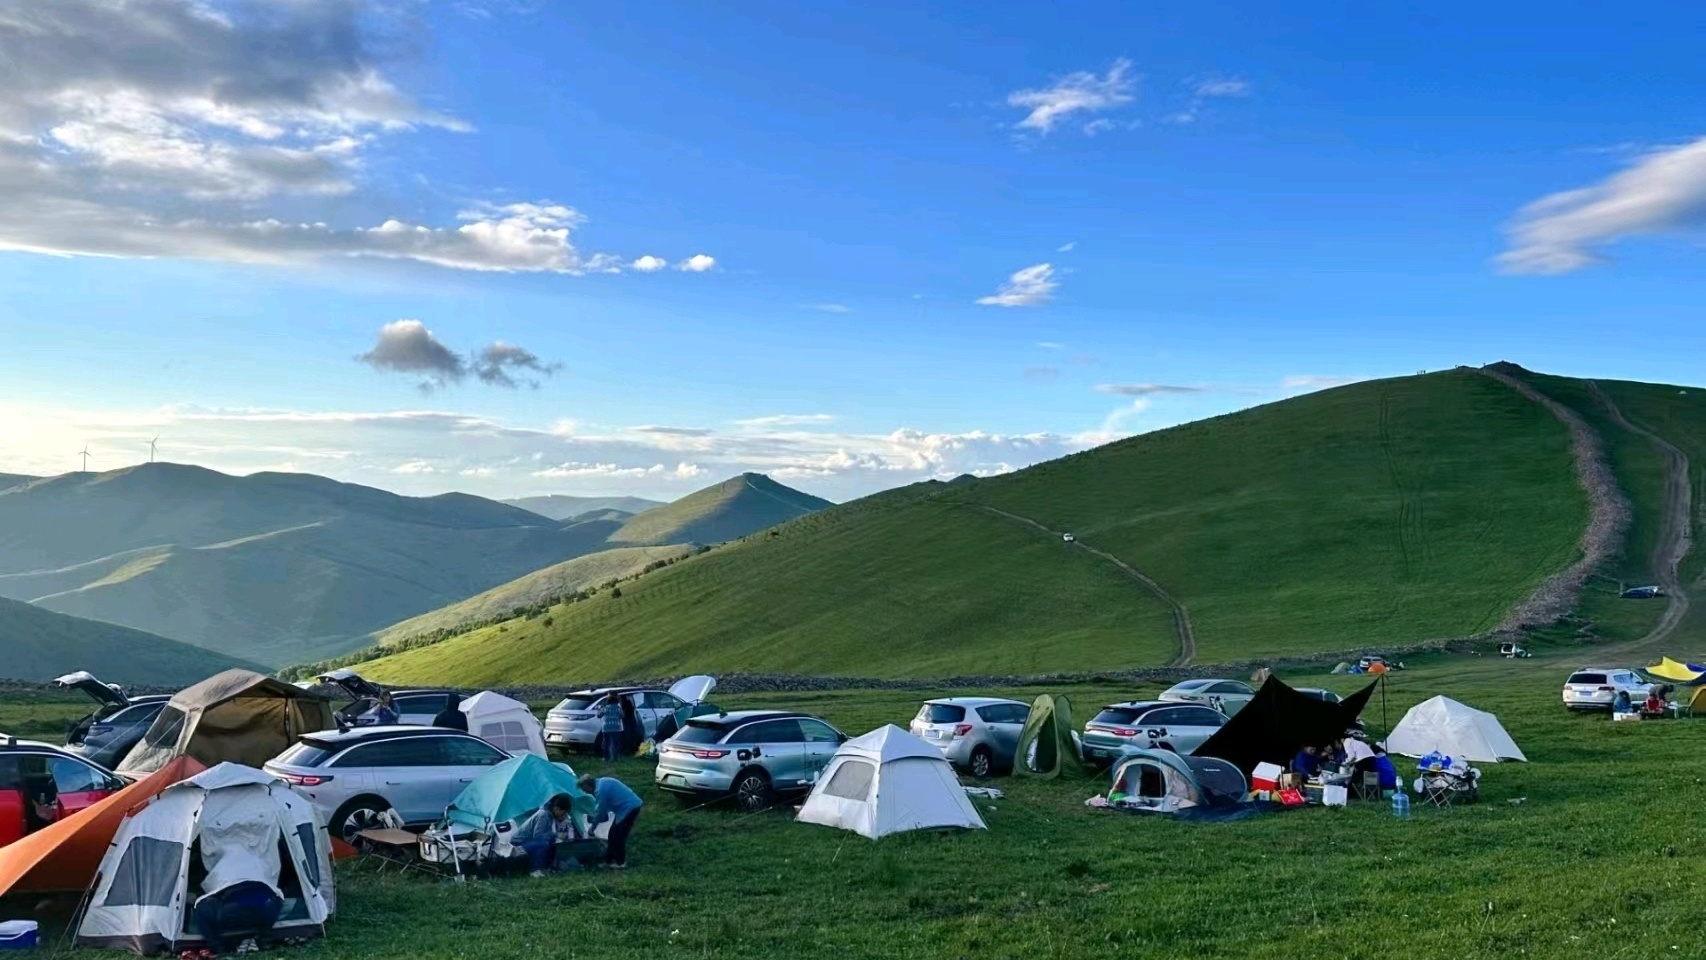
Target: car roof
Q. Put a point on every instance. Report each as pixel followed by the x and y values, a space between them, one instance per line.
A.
pixel 607 691
pixel 1193 684
pixel 150 698
pixel 975 701
pixel 344 738
pixel 1603 670
pixel 736 717
pixel 1146 704
pixel 32 746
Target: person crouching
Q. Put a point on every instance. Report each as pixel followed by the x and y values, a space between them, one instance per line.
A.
pixel 539 834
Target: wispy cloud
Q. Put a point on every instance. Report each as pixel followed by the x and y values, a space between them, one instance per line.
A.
pixel 1066 247
pixel 1029 287
pixel 1222 87
pixel 1145 389
pixel 1662 192
pixel 698 263
pixel 786 420
pixel 1051 345
pixel 829 307
pixel 407 346
pixel 1082 92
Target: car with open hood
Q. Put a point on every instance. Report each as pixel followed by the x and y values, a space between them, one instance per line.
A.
pixel 577 721
pixel 41 784
pixel 415 708
pixel 105 736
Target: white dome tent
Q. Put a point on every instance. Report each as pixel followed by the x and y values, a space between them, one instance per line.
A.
pixel 504 723
pixel 1442 725
pixel 889 781
pixel 234 822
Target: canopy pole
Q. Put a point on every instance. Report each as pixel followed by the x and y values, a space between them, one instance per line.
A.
pixel 1383 721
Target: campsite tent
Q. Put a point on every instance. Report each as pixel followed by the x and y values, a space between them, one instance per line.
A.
pixel 517 786
pixel 1278 722
pixel 1164 781
pixel 1047 745
pixel 1697 703
pixel 504 723
pixel 237 716
pixel 226 818
pixel 63 857
pixel 889 781
pixel 1687 674
pixel 1442 725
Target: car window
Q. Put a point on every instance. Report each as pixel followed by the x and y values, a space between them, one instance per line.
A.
pixel 433 703
pixel 663 701
pixel 1197 717
pixel 994 713
pixel 75 776
pixel 305 753
pixel 578 703
pixel 1587 678
pixel 136 713
pixel 1229 686
pixel 1116 716
pixel 769 731
pixel 410 752
pixel 11 773
pixel 816 731
pixel 941 713
pixel 467 752
pixel 1170 716
pixel 700 733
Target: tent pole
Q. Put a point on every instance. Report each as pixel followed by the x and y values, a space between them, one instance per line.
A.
pixel 1387 727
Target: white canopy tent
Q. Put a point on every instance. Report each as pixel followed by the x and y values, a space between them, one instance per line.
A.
pixel 889 781
pixel 1459 731
pixel 504 723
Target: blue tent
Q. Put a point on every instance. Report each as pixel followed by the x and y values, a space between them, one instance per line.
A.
pixel 517 786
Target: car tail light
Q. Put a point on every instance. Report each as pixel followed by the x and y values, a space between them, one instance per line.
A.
pixel 1607 689
pixel 710 754
pixel 962 729
pixel 304 780
pixel 1125 732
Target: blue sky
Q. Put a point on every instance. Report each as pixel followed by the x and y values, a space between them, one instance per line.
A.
pixel 929 240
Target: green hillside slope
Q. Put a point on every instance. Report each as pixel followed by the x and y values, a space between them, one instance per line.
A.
pixel 553 581
pixel 278 568
pixel 560 507
pixel 8 480
pixel 38 645
pixel 1381 513
pixel 730 510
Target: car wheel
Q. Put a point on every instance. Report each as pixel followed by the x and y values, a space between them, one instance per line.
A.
pixel 982 762
pixel 356 816
pixel 752 792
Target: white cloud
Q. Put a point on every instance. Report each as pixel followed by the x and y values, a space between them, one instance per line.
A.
pixel 829 307
pixel 1066 247
pixel 698 263
pixel 1081 92
pixel 786 420
pixel 581 471
pixel 1662 192
pixel 649 264
pixel 1222 87
pixel 189 129
pixel 414 466
pixel 1145 389
pixel 1051 345
pixel 1025 288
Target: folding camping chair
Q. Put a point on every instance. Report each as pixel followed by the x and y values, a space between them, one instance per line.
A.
pixel 1445 784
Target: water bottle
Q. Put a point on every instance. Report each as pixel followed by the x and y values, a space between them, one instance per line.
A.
pixel 1400 804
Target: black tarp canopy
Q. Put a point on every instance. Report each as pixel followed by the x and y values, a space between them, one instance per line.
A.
pixel 1278 722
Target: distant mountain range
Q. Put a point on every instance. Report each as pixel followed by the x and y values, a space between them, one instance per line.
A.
pixel 38 645
pixel 289 568
pixel 559 507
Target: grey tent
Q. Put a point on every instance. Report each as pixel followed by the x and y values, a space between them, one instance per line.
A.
pixel 1165 782
pixel 238 716
pixel 1048 745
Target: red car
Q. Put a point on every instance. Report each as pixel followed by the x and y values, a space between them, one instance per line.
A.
pixel 42 784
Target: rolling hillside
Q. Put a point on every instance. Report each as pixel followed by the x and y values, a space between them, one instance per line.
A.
pixel 38 645
pixel 1382 513
pixel 277 568
pixel 728 511
pixel 9 480
pixel 559 507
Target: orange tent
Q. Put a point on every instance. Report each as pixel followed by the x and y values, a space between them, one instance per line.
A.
pixel 64 857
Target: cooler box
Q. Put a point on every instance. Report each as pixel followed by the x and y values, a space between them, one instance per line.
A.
pixel 18 935
pixel 1265 776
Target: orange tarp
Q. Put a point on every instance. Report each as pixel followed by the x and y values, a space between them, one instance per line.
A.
pixel 64 857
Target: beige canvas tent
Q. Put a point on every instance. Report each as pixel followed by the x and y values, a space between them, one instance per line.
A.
pixel 237 716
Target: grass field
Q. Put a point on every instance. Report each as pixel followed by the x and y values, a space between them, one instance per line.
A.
pixel 1605 857
pixel 1382 513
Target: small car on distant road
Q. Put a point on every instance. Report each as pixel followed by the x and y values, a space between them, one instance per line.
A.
pixel 1596 688
pixel 1149 725
pixel 1227 696
pixel 977 734
pixel 754 757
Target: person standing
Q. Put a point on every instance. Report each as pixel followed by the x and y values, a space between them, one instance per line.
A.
pixel 611 743
pixel 614 800
pixel 632 731
pixel 384 713
pixel 452 717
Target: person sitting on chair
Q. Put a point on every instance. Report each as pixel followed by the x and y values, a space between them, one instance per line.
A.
pixel 1307 763
pixel 539 834
pixel 1655 703
pixel 1621 703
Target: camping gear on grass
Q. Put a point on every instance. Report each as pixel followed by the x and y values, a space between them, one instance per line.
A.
pixel 222 821
pixel 237 716
pixel 1161 781
pixel 1048 745
pixel 889 781
pixel 18 935
pixel 1446 780
pixel 1444 726
pixel 1687 674
pixel 505 723
pixel 477 824
pixel 1279 722
pixel 63 857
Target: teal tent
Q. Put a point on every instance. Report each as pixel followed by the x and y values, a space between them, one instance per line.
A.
pixel 1048 745
pixel 517 786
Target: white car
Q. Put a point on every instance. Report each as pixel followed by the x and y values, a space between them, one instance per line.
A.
pixel 976 734
pixel 1594 688
pixel 577 721
pixel 1227 696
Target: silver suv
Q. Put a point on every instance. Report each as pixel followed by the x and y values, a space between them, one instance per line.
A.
pixel 415 708
pixel 353 776
pixel 754 756
pixel 577 721
pixel 1149 724
pixel 976 734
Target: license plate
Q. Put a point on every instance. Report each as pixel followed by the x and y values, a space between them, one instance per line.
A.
pixel 1097 753
pixel 936 734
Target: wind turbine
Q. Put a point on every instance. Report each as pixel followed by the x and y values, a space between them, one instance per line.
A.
pixel 85 456
pixel 151 449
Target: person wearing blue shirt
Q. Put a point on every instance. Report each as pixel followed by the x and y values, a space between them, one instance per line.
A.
pixel 384 713
pixel 617 801
pixel 1307 762
pixel 540 834
pixel 1385 770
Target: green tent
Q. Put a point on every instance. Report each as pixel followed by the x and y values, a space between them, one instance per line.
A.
pixel 1048 746
pixel 515 787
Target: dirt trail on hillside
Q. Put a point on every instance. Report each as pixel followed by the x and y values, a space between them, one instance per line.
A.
pixel 1181 617
pixel 1608 512
pixel 1675 533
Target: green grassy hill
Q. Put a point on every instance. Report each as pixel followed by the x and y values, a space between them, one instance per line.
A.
pixel 559 507
pixel 557 580
pixel 9 480
pixel 1382 513
pixel 727 511
pixel 277 568
pixel 38 645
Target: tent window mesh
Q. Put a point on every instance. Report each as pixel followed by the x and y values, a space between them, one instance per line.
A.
pixel 851 781
pixel 147 874
pixel 310 840
pixel 509 736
